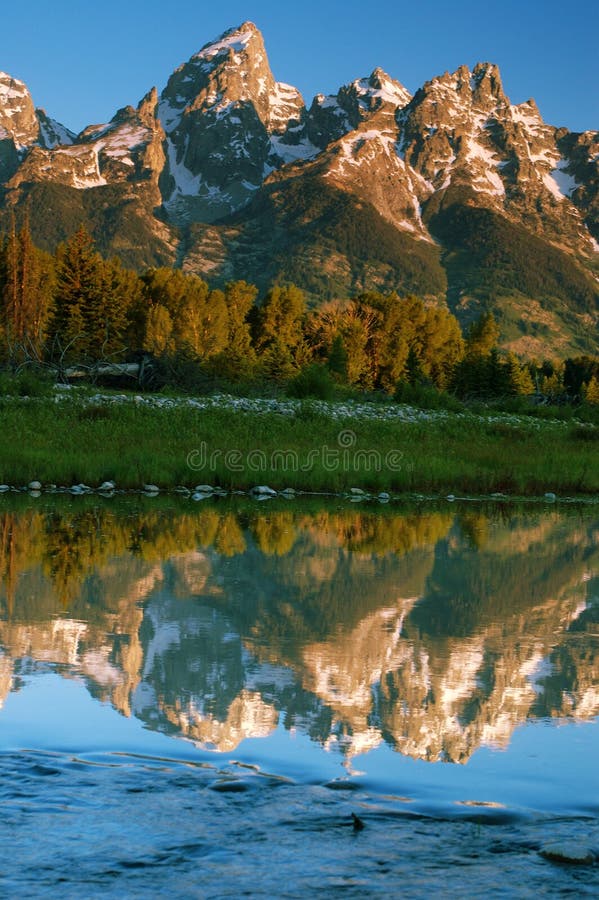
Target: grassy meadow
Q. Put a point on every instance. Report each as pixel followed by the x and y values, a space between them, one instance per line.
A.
pixel 69 442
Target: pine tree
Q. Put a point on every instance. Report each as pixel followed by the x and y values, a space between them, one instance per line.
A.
pixel 27 294
pixel 106 312
pixel 482 336
pixel 337 362
pixel 80 282
pixel 520 380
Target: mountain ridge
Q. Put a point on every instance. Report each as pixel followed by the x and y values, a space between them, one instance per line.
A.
pixel 209 174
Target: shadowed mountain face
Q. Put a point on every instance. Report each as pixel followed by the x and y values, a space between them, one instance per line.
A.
pixel 453 193
pixel 435 633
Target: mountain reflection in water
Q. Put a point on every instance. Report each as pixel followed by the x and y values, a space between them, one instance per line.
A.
pixel 434 632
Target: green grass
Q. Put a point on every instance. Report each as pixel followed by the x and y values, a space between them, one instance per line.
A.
pixel 66 443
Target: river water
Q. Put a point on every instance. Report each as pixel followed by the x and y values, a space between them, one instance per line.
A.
pixel 283 700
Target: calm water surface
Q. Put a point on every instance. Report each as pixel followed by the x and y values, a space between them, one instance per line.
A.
pixel 194 702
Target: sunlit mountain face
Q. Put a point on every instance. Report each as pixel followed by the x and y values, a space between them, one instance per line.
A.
pixel 453 193
pixel 432 632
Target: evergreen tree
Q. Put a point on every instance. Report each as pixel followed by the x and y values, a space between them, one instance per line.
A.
pixel 278 361
pixel 107 311
pixel 579 371
pixel 520 380
pixel 238 358
pixel 481 373
pixel 11 307
pixel 413 371
pixel 27 294
pixel 393 324
pixel 482 336
pixel 337 362
pixel 80 282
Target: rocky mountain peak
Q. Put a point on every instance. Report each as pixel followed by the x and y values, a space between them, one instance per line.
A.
pixel 232 42
pixel 228 124
pixel 487 87
pixel 368 95
pixel 459 91
pixel 231 70
pixel 18 120
pixel 144 113
pixel 148 105
pixel 387 89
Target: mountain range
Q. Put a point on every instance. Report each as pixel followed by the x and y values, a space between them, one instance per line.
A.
pixel 452 193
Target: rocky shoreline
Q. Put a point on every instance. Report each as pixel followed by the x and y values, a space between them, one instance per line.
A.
pixel 201 492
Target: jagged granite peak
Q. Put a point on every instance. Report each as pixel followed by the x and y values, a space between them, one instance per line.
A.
pixel 128 148
pixel 22 123
pixel 53 133
pixel 18 120
pixel 333 115
pixel 228 124
pixel 461 132
pixel 367 95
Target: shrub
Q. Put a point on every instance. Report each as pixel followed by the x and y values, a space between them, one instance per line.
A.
pixel 313 381
pixel 28 383
pixel 426 396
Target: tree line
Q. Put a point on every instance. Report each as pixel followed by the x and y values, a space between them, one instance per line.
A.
pixel 74 307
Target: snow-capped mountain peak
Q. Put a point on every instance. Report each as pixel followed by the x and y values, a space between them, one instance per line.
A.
pixel 234 41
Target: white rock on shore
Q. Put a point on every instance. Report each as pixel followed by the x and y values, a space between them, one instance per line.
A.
pixel 262 490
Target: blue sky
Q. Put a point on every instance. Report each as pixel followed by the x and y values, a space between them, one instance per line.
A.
pixel 82 62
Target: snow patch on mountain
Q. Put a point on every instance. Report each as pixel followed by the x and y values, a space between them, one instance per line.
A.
pixel 386 90
pixel 285 103
pixel 11 88
pixel 52 133
pixel 17 113
pixel 566 183
pixel 329 101
pixel 489 181
pixel 560 183
pixel 84 165
pixel 186 183
pixel 527 115
pixel 351 145
pixel 169 115
pixel 234 41
pixel 290 153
